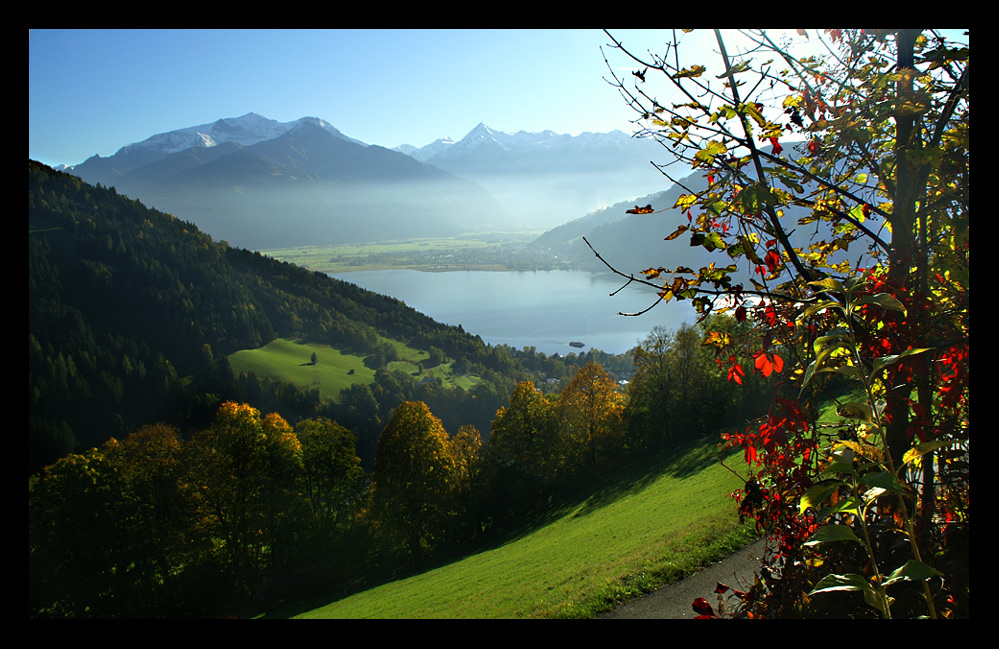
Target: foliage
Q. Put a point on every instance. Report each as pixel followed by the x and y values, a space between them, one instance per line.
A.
pixel 526 441
pixel 156 526
pixel 681 388
pixel 591 410
pixel 855 256
pixel 332 475
pixel 132 314
pixel 415 470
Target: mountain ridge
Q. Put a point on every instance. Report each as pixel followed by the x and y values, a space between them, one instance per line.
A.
pixel 260 184
pixel 545 179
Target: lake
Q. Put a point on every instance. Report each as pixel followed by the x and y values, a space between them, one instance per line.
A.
pixel 543 309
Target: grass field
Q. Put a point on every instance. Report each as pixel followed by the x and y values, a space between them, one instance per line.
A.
pixel 290 360
pixel 649 525
pixel 471 251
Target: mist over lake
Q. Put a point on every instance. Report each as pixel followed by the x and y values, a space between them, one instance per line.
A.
pixel 543 309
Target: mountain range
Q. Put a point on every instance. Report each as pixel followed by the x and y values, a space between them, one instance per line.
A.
pixel 259 183
pixel 545 179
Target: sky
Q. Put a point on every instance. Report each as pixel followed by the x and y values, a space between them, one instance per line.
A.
pixel 94 91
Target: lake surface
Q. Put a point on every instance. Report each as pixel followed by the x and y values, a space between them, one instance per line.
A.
pixel 543 309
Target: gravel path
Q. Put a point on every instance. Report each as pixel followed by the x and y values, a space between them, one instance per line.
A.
pixel 673 602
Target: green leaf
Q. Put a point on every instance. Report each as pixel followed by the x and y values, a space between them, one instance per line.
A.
pixel 735 69
pixel 685 201
pixel 838 339
pixel 882 300
pixel 831 533
pixel 713 241
pixel 751 109
pixel 856 410
pixel 816 494
pixel 845 506
pixel 841 582
pixel 828 284
pixel 755 198
pixel 885 480
pixel 819 306
pixel 849 371
pixel 883 362
pixel 853 582
pixel 912 570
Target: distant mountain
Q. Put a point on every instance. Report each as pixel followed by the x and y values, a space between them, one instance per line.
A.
pixel 634 242
pixel 546 179
pixel 629 242
pixel 258 183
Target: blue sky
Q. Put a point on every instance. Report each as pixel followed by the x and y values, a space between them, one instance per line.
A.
pixel 94 91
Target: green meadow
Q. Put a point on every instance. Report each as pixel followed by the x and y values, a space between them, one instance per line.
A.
pixel 291 360
pixel 479 251
pixel 649 524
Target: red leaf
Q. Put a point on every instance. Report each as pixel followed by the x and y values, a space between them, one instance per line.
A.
pixel 777 147
pixel 735 372
pixel 772 259
pixel 767 364
pixel 703 608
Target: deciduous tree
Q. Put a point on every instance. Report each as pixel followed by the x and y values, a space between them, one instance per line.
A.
pixel 590 408
pixel 414 472
pixel 242 470
pixel 332 475
pixel 840 182
pixel 527 442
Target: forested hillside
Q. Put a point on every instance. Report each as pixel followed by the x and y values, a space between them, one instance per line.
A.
pixel 171 487
pixel 131 313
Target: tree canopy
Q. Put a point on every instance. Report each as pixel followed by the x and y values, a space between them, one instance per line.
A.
pixel 837 200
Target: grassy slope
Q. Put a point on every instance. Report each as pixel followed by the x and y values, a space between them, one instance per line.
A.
pixel 651 524
pixel 289 360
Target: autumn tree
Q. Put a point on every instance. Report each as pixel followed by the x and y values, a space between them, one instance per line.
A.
pixel 243 469
pixel 108 531
pixel 466 496
pixel 590 409
pixel 836 197
pixel 414 472
pixel 526 443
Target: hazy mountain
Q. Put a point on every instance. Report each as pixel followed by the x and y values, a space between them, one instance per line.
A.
pixel 634 242
pixel 259 184
pixel 546 179
pixel 629 242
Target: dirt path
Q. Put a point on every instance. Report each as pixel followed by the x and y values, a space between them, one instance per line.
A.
pixel 674 601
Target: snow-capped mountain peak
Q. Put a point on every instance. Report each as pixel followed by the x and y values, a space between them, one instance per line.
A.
pixel 246 130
